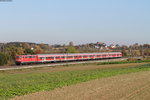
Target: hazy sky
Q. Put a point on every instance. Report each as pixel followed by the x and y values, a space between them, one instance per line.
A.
pixel 80 21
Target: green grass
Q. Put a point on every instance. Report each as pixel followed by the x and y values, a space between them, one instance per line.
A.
pixel 110 62
pixel 123 62
pixel 19 84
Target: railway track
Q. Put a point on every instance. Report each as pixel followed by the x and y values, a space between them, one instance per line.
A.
pixel 4 68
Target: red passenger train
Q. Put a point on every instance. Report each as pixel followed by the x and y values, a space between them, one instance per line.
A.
pixel 45 58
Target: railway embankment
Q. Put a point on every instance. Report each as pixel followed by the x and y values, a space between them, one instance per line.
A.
pixel 3 68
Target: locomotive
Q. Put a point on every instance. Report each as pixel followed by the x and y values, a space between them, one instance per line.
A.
pixel 47 58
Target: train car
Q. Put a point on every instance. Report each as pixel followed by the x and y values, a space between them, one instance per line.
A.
pixel 45 58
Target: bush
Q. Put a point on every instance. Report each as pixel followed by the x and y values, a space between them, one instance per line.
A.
pixel 3 58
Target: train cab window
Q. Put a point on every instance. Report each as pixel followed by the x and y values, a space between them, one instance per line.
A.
pixel 30 56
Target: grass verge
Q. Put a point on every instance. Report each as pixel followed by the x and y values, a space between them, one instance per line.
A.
pixel 15 85
pixel 122 62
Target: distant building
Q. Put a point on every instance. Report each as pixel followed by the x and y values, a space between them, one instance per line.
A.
pixel 98 45
pixel 112 46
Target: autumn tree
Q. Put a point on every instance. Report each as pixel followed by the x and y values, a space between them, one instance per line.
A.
pixel 37 50
pixel 28 51
pixel 14 51
pixel 137 52
pixel 147 52
pixel 26 46
pixel 124 53
pixel 44 46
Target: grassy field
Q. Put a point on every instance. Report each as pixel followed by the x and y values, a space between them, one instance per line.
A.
pixel 22 83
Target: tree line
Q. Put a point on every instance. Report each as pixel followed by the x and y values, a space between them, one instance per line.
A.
pixel 9 51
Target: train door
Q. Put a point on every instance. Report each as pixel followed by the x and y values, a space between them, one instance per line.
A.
pixel 43 59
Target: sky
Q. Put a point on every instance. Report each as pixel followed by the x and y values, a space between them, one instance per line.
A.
pixel 80 21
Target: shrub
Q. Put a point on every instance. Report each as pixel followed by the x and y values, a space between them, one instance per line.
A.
pixel 3 58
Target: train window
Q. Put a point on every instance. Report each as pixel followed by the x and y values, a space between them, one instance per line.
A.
pixel 63 57
pixel 47 57
pixel 69 56
pixel 30 56
pixel 57 57
pixel 51 57
pixel 41 57
pixel 18 57
pixel 33 56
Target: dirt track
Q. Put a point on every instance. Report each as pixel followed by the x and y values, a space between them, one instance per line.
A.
pixel 133 86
